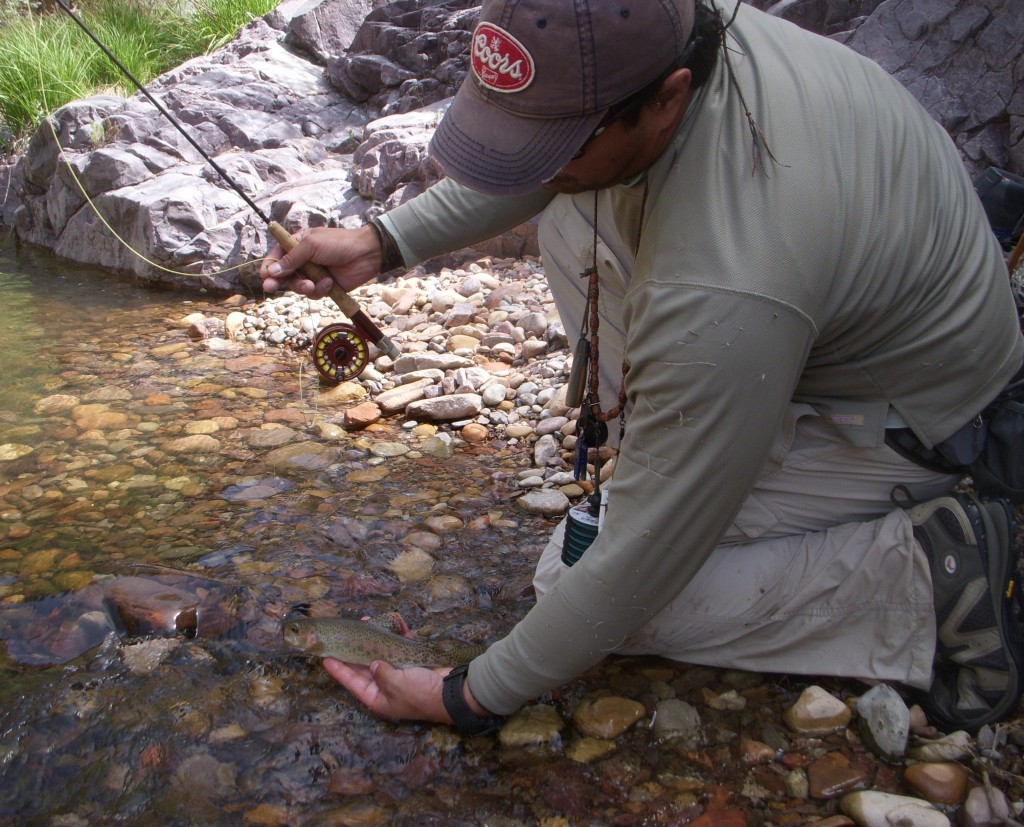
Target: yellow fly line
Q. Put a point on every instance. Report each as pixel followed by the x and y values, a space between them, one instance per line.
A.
pixel 103 220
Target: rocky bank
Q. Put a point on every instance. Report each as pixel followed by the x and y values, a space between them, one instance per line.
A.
pixel 321 111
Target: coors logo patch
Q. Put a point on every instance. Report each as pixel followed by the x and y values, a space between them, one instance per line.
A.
pixel 500 62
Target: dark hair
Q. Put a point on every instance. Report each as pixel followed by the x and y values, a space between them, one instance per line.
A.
pixel 699 56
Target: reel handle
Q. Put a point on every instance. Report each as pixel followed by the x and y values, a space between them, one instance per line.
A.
pixel 349 306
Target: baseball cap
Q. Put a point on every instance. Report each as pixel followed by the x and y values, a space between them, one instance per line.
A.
pixel 543 73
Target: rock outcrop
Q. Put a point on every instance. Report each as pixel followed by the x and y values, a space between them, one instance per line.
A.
pixel 322 110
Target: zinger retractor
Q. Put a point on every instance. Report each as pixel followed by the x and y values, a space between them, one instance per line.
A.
pixel 340 353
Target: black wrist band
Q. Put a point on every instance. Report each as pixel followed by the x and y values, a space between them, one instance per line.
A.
pixel 466 721
pixel 390 255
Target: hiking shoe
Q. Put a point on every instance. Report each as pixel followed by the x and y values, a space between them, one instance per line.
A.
pixel 979 656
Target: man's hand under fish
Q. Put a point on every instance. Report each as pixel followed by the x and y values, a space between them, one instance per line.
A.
pixel 412 694
pixel 391 674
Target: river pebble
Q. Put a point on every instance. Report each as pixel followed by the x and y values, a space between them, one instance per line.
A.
pixel 878 809
pixel 884 721
pixel 532 725
pixel 817 712
pixel 230 460
pixel 607 717
pixel 942 783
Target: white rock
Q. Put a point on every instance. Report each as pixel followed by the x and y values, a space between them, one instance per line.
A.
pixel 876 809
pixel 547 501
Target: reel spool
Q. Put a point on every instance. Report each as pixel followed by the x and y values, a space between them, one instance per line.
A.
pixel 340 353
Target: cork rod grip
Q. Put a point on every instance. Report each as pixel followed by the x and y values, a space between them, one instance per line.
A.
pixel 316 272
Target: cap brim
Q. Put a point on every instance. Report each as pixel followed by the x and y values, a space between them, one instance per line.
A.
pixel 490 150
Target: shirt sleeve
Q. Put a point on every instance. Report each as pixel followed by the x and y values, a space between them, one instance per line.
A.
pixel 449 216
pixel 711 373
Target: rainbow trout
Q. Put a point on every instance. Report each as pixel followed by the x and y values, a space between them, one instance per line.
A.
pixel 359 641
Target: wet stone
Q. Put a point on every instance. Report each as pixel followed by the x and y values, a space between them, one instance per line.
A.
pixel 12 451
pixel 411 565
pixel 445 591
pixel 532 726
pixel 884 721
pixel 879 809
pixel 196 444
pixel 56 404
pixel 832 776
pixel 203 774
pixel 942 783
pixel 439 447
pixel 444 523
pixel 608 716
pixel 388 449
pixel 144 657
pixel 586 750
pixel 676 719
pixel 271 437
pixel 816 712
pixel 305 456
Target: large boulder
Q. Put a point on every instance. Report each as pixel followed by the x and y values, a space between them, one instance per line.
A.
pixel 321 112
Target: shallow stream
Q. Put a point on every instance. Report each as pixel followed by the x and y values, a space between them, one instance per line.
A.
pixel 165 502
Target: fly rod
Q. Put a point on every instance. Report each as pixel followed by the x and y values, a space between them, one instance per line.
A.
pixel 339 351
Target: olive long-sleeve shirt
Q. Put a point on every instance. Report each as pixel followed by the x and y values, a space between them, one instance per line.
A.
pixel 855 270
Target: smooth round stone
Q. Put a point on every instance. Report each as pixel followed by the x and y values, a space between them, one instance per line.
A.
pixel 474 432
pixel 493 395
pixel 367 475
pixel 412 565
pixel 56 404
pixel 586 750
pixel 551 425
pixel 426 540
pixel 518 430
pixel 944 783
pixel 11 451
pixel 389 449
pixel 273 437
pixel 982 810
pixel 342 394
pixel 443 523
pixel 531 726
pixel 870 808
pixel 305 456
pixel 202 426
pixel 438 447
pixel 755 752
pixel 40 562
pixel 462 342
pixel 547 501
pixel 195 444
pixel 816 712
pixel 674 718
pixel 331 432
pixel 608 716
pixel 447 590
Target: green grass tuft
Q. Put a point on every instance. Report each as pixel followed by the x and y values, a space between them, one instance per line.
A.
pixel 46 61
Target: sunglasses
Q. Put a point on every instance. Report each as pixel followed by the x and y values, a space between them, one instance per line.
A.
pixel 616 112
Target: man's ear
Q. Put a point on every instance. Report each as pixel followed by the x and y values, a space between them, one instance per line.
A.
pixel 674 95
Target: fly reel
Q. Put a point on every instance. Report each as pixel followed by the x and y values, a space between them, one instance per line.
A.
pixel 340 353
